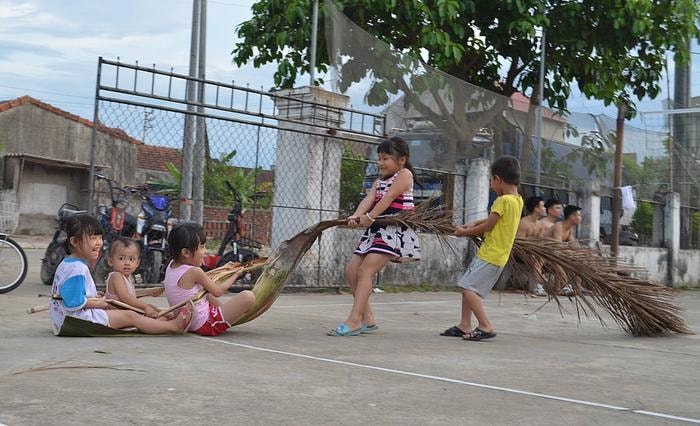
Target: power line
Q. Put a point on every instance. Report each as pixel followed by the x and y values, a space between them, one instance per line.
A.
pixel 45 91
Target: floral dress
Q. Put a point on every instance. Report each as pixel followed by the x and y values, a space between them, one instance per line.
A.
pixel 399 241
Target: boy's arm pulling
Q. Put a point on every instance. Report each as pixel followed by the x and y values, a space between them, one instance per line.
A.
pixel 120 288
pixel 479 227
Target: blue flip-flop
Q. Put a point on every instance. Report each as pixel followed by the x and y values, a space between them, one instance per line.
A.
pixel 366 328
pixel 343 331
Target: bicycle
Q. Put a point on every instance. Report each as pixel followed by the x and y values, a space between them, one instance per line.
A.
pixel 13 264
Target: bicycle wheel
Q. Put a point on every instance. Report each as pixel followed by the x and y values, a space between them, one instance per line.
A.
pixel 13 265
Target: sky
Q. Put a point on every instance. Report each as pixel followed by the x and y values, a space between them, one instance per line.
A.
pixel 49 49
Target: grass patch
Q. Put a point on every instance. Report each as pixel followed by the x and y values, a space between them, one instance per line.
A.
pixel 689 288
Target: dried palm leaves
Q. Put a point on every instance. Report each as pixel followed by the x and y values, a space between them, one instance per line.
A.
pixel 639 307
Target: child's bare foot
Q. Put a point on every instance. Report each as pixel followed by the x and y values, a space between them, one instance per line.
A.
pixel 185 317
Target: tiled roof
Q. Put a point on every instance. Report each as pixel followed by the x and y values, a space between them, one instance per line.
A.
pixel 117 133
pixel 157 157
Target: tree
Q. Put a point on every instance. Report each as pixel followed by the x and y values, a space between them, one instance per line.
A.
pixel 352 175
pixel 218 176
pixel 643 221
pixel 612 50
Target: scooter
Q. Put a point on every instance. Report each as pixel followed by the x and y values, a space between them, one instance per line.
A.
pixel 55 252
pixel 116 222
pixel 154 223
pixel 241 248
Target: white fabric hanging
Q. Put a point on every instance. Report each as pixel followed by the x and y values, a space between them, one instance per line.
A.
pixel 628 198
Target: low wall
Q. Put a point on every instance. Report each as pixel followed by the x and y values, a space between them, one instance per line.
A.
pixel 324 265
pixel 440 265
pixel 655 261
pixel 687 268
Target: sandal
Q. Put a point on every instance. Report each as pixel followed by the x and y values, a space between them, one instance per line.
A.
pixel 343 331
pixel 185 316
pixel 478 334
pixel 453 332
pixel 366 328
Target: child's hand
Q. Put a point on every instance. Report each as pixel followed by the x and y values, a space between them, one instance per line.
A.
pixel 157 292
pixel 99 302
pixel 236 274
pixel 365 221
pixel 354 221
pixel 461 231
pixel 150 311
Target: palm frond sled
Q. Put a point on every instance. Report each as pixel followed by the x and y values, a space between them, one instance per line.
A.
pixel 638 306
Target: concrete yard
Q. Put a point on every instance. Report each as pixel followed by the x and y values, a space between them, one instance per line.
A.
pixel 282 369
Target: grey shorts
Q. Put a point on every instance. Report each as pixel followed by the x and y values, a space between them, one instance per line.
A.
pixel 480 277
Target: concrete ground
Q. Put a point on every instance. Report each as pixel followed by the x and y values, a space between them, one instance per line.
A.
pixel 282 369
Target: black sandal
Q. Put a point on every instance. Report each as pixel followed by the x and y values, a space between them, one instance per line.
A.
pixel 453 332
pixel 478 334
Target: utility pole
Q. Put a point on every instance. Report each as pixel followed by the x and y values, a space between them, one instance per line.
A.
pixel 538 121
pixel 681 134
pixel 199 151
pixel 314 39
pixel 681 100
pixel 188 142
pixel 147 120
pixel 617 192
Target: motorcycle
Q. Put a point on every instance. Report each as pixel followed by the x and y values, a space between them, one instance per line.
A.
pixel 154 223
pixel 55 252
pixel 116 222
pixel 241 248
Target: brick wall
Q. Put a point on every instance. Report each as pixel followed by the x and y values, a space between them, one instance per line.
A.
pixel 257 225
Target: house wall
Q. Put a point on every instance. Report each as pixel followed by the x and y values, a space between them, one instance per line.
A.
pixel 30 129
pixel 43 190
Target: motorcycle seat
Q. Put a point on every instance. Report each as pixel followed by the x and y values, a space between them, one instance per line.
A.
pixel 68 213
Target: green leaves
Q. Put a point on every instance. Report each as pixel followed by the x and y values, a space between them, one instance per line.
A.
pixel 609 48
pixel 216 190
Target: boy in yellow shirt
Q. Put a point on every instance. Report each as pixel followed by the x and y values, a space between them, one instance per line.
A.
pixel 499 230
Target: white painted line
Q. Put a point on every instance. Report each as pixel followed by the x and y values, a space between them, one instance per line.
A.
pixel 456 301
pixel 460 382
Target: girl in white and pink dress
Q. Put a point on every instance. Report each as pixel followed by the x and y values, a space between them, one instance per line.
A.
pixel 392 193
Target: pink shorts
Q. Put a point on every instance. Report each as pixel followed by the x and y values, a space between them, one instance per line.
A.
pixel 215 324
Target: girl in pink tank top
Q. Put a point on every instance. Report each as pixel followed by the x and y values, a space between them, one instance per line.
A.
pixel 184 278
